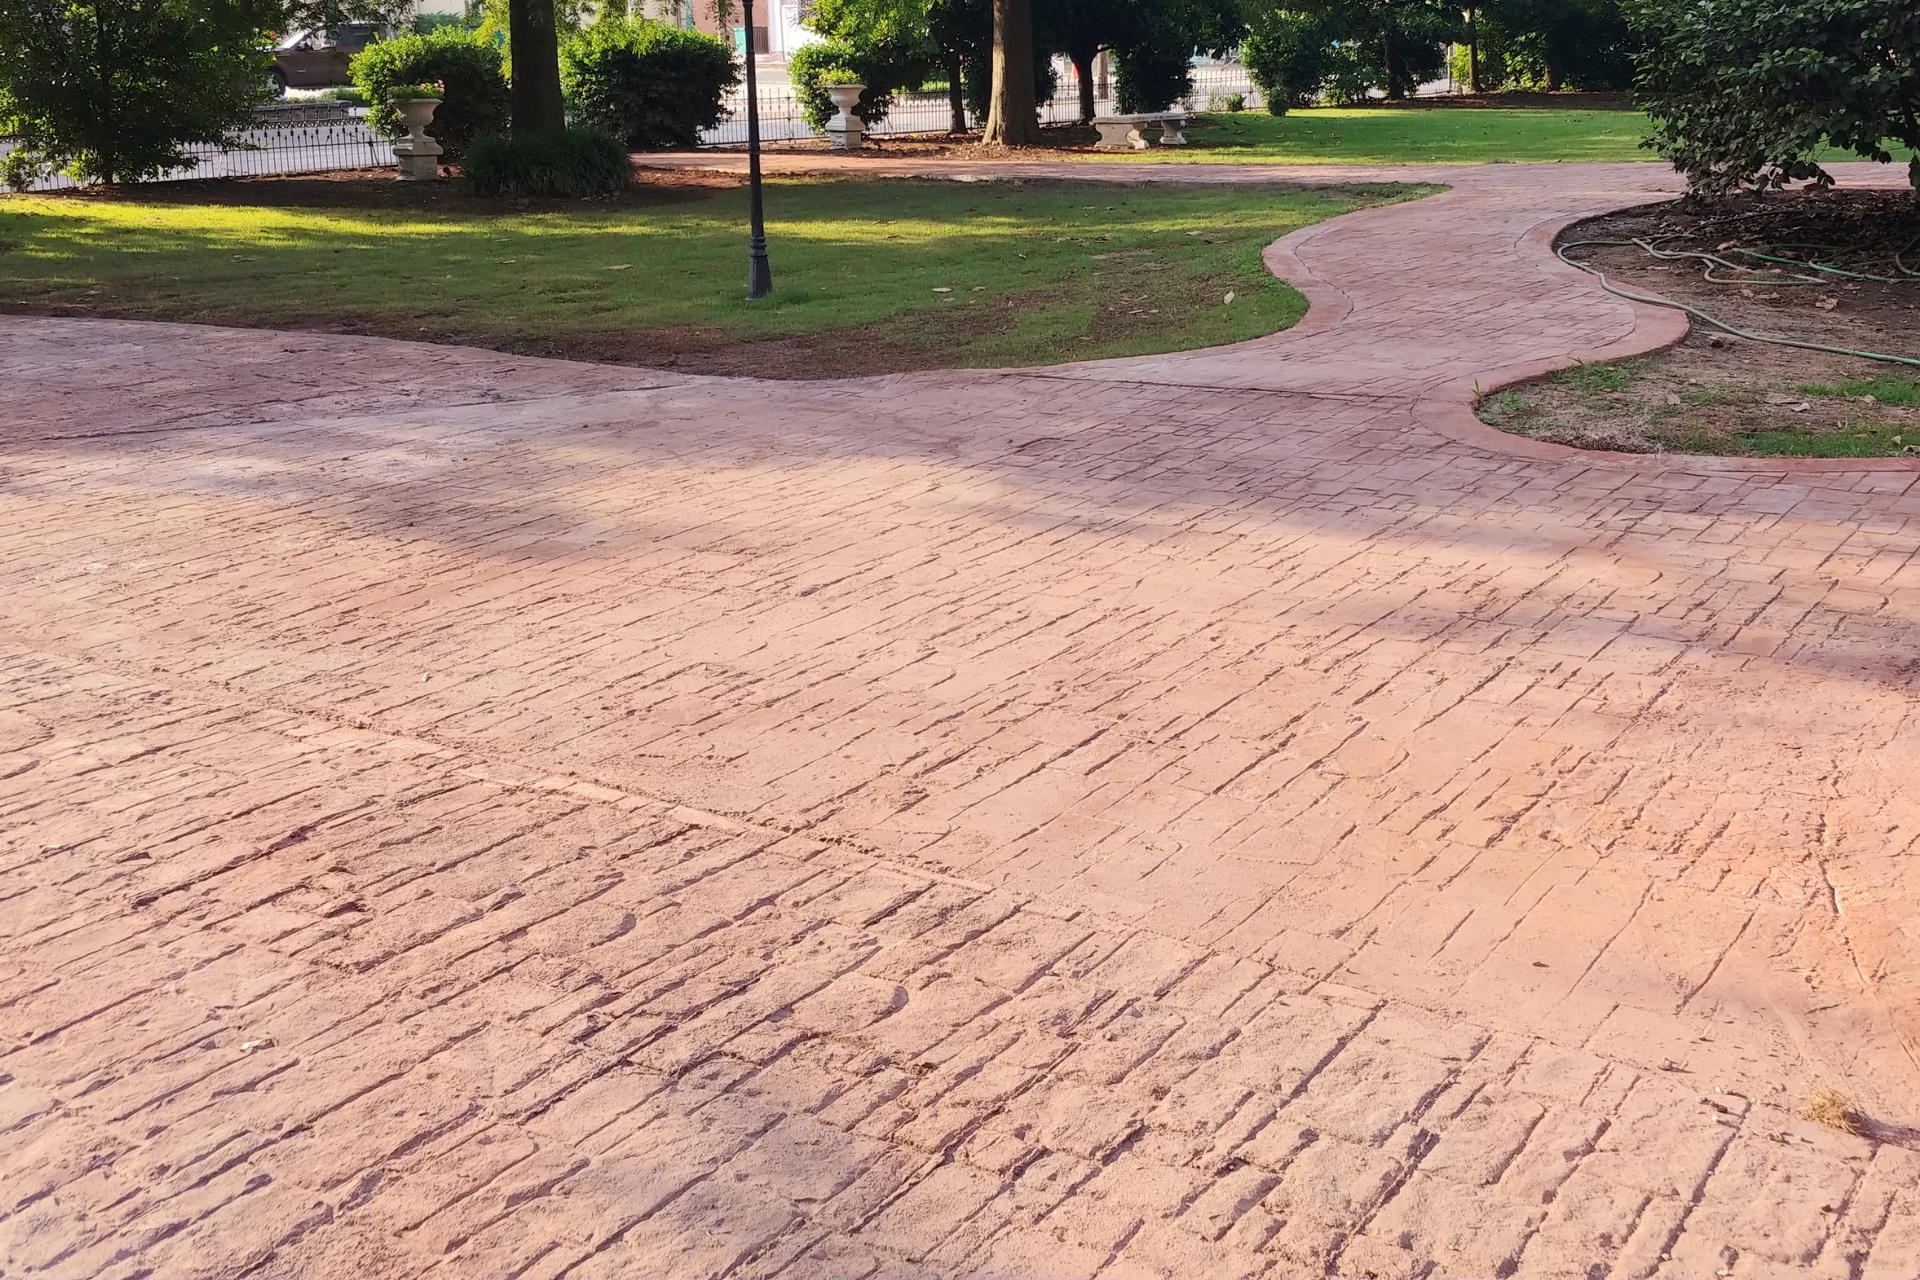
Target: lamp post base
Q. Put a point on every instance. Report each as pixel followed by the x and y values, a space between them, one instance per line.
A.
pixel 759 274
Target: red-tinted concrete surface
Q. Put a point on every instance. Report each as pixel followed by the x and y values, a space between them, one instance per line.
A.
pixel 1211 815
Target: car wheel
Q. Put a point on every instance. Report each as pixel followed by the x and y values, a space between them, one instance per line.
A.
pixel 277 82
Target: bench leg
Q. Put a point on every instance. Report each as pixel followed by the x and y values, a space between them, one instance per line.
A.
pixel 1137 138
pixel 1113 137
pixel 1172 135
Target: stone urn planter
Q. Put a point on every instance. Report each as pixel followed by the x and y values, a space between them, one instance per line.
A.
pixel 418 155
pixel 843 131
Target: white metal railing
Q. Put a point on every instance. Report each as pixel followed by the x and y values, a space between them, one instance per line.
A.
pixel 781 118
pixel 293 138
pixel 315 137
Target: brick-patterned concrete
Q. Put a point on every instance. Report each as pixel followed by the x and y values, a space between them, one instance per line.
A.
pixel 1207 815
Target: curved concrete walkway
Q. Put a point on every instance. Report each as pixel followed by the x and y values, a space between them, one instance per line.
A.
pixel 1212 814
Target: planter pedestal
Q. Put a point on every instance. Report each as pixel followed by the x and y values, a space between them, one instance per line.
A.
pixel 417 154
pixel 844 130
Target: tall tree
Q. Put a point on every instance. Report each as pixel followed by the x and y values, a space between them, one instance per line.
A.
pixel 119 89
pixel 1012 117
pixel 533 29
pixel 962 31
pixel 1080 29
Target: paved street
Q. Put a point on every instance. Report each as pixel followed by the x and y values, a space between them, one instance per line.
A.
pixel 1206 815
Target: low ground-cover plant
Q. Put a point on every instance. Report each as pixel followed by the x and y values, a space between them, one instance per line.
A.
pixel 1887 389
pixel 650 85
pixel 466 69
pixel 578 162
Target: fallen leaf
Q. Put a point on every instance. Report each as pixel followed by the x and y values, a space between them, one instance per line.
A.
pixel 1229 298
pixel 941 288
pixel 1827 304
pixel 1801 407
pixel 1672 398
pixel 620 266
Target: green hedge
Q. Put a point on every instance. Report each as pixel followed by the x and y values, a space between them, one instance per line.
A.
pixel 648 84
pixel 579 162
pixel 815 66
pixel 468 67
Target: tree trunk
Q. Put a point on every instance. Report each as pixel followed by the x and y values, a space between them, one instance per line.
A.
pixel 956 94
pixel 1083 72
pixel 1396 78
pixel 1011 117
pixel 104 103
pixel 1473 50
pixel 533 34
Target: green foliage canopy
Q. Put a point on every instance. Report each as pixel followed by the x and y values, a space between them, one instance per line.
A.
pixel 117 90
pixel 1746 92
pixel 1340 50
pixel 886 45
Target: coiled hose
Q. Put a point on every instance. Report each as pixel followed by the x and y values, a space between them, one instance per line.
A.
pixel 1560 250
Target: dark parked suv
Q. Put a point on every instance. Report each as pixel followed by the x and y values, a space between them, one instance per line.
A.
pixel 314 59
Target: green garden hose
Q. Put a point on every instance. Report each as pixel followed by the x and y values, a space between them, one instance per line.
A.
pixel 1815 266
pixel 1714 260
pixel 1560 251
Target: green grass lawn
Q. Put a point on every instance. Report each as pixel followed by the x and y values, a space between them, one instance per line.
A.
pixel 1408 135
pixel 1414 135
pixel 869 275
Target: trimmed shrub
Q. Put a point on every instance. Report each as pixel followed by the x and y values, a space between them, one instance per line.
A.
pixel 648 84
pixel 468 69
pixel 1152 76
pixel 1288 56
pixel 815 66
pixel 1747 92
pixel 578 162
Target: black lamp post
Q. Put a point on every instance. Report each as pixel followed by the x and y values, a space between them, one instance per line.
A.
pixel 759 274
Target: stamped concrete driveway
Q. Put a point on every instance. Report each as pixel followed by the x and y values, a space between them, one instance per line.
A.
pixel 1210 815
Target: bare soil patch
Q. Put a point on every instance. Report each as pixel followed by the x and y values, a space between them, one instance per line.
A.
pixel 1717 393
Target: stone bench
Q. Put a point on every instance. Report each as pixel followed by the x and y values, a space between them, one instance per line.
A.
pixel 1129 133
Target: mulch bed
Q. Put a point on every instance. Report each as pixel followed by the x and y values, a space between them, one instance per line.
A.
pixel 1716 393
